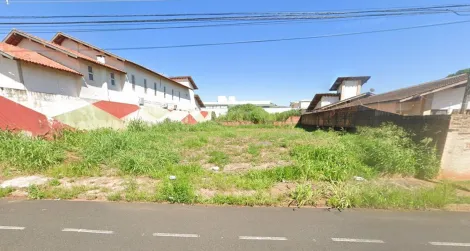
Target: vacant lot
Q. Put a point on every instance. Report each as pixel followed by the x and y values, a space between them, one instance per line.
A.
pixel 250 165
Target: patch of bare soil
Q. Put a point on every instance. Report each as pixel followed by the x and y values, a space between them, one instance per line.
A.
pixel 458 207
pixel 282 188
pixel 109 183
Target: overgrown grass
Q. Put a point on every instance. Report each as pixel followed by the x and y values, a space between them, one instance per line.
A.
pixel 159 151
pixel 389 197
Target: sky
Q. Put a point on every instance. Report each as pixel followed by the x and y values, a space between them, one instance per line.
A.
pixel 278 71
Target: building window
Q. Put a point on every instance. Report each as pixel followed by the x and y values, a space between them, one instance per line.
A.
pixel 164 91
pixel 172 95
pixel 133 82
pixel 113 81
pixel 145 86
pixel 179 96
pixel 155 88
pixel 90 73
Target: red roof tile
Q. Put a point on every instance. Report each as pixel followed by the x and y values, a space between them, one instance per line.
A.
pixel 57 47
pixel 33 57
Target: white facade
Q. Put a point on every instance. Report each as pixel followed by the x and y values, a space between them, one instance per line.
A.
pixel 448 100
pixel 303 104
pixel 131 84
pixel 16 74
pixel 349 89
pixel 327 100
pixel 9 74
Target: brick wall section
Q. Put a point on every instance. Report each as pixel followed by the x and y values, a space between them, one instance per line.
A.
pixel 455 163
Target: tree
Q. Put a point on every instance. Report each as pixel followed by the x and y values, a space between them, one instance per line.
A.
pixel 460 72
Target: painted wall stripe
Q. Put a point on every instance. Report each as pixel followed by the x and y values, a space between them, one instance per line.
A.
pixel 357 240
pixel 262 238
pixel 87 231
pixel 454 244
pixel 11 228
pixel 176 235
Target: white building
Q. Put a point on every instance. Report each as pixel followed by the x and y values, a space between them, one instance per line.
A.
pixel 223 103
pixel 106 76
pixel 343 90
pixel 443 96
pixel 28 70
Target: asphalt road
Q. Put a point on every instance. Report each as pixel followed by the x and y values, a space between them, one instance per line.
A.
pixel 63 225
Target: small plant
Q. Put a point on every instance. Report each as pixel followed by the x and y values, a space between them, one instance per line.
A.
pixel 219 158
pixel 254 150
pixel 35 193
pixel 177 191
pixel 4 192
pixel 114 197
pixel 54 182
pixel 303 194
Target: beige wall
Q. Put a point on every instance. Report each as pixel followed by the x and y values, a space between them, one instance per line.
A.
pixel 412 107
pixel 9 74
pixel 386 106
pixel 455 162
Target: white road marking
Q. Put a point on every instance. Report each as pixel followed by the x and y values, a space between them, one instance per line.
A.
pixel 11 228
pixel 454 244
pixel 262 238
pixel 176 235
pixel 357 240
pixel 87 231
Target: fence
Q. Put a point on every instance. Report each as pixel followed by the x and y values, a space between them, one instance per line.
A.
pixel 433 126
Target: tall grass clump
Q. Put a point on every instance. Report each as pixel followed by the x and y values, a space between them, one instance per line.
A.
pixel 27 153
pixel 388 150
pixel 176 191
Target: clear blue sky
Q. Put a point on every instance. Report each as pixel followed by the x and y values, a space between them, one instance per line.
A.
pixel 281 71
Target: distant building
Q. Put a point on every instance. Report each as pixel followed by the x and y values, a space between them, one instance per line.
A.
pixel 443 96
pixel 344 90
pixel 223 103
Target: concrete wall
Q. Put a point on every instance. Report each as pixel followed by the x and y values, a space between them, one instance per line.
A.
pixel 455 163
pixel 450 99
pixel 9 74
pixel 350 88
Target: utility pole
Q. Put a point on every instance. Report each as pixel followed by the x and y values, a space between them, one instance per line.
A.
pixel 464 107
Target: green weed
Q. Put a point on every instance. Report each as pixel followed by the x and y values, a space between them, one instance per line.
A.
pixel 176 191
pixel 219 158
pixel 4 192
pixel 114 197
